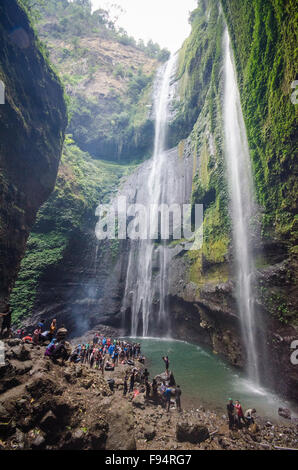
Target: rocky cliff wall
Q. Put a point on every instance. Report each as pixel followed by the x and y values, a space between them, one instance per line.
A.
pixel 202 295
pixel 32 124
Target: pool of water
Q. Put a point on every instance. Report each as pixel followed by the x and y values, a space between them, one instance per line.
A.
pixel 207 380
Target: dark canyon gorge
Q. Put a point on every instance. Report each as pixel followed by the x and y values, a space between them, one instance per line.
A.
pixel 78 129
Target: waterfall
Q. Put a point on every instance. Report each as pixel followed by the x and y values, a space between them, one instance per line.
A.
pixel 140 289
pixel 242 206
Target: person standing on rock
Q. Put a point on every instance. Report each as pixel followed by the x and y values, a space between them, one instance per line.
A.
pixel 132 382
pixel 145 376
pixel 231 413
pixel 239 415
pixel 125 386
pixel 155 389
pixel 102 364
pixel 168 394
pixel 53 328
pixel 178 398
pixel 167 363
pixel 148 389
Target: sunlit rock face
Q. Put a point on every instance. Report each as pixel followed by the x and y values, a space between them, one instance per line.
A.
pixel 32 124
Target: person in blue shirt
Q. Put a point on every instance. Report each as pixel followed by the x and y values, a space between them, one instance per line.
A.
pixel 168 394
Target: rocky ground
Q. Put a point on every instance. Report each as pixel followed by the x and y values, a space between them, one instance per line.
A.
pixel 50 406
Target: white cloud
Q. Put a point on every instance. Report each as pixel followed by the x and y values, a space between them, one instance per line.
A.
pixel 163 21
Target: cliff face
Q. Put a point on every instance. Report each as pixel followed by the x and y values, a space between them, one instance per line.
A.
pixel 264 36
pixel 202 295
pixel 108 78
pixel 32 124
pixel 66 271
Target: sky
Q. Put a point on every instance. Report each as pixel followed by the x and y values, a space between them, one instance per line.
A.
pixel 163 21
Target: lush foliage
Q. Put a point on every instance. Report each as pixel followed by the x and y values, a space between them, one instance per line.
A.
pixel 199 63
pixel 264 36
pixel 199 110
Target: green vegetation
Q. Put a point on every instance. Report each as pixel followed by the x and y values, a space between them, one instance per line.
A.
pixel 278 305
pixel 73 19
pixel 264 37
pixel 199 63
pixel 106 74
pixel 199 111
pixel 81 185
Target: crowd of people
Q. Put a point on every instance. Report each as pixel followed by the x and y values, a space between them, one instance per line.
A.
pixel 106 354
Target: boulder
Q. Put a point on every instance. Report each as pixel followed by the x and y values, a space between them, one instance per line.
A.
pixel 22 352
pixel 191 432
pixel 284 413
pixel 139 401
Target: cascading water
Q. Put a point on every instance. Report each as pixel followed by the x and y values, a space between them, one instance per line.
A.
pixel 242 205
pixel 139 291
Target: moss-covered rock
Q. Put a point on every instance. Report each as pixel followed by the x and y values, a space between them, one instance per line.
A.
pixel 264 37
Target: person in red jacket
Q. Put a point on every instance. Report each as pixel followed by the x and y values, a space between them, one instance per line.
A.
pixel 239 414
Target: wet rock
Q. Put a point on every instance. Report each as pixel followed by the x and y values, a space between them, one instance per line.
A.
pixel 194 433
pixel 284 412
